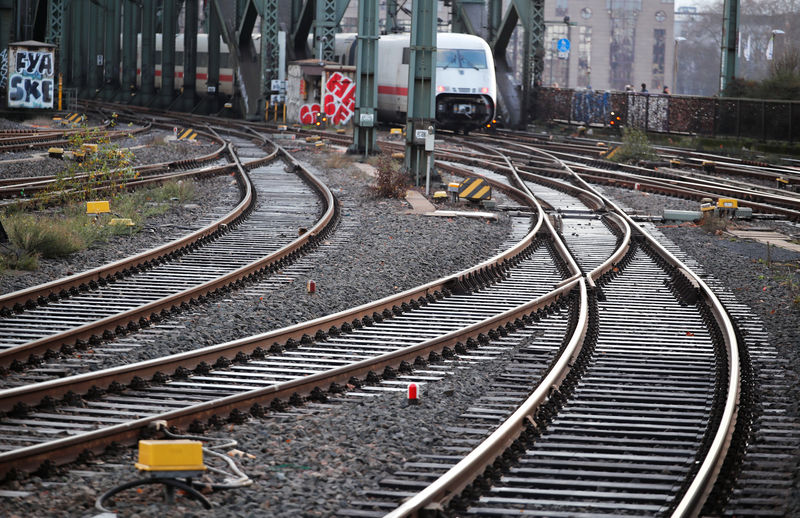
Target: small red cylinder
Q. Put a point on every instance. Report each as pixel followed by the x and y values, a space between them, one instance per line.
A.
pixel 413 391
pixel 311 286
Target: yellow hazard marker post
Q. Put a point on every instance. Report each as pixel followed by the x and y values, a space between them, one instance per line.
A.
pixel 73 118
pixel 475 189
pixel 187 134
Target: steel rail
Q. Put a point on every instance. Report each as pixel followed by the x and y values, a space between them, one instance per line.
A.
pixel 103 273
pixel 37 141
pixel 34 292
pixel 754 198
pixel 66 449
pixel 447 486
pixel 195 292
pixel 693 499
pixel 14 186
pixel 32 394
pixel 452 482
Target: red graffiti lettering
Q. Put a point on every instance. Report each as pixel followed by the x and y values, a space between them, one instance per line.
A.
pixel 340 100
pixel 308 113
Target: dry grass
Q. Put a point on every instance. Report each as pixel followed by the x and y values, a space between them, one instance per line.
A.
pixel 338 161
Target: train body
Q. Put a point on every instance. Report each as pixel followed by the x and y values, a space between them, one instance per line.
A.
pixel 226 62
pixel 466 88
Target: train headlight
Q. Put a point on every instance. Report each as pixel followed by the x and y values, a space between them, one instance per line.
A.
pixel 484 90
pixel 440 89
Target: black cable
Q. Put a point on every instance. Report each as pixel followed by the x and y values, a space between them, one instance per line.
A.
pixel 141 482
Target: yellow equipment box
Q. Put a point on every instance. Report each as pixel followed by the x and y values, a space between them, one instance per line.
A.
pixel 727 203
pixel 97 207
pixel 56 152
pixel 89 148
pixel 175 455
pixel 127 222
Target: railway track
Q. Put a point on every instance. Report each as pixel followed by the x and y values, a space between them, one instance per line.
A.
pixel 41 189
pixel 254 238
pixel 578 403
pixel 300 359
pixel 633 420
pixel 669 181
pixel 27 140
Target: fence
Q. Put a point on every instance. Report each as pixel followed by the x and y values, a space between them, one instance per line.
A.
pixel 711 116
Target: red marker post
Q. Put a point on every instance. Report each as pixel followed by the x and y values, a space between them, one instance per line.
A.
pixel 311 286
pixel 413 394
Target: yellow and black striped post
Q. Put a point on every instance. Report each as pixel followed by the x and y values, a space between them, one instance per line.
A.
pixel 475 189
pixel 187 134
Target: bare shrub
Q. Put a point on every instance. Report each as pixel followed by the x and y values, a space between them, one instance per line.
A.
pixel 391 180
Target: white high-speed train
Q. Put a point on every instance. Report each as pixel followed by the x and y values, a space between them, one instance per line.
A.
pixel 466 89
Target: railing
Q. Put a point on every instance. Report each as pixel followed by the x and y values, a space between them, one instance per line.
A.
pixel 711 116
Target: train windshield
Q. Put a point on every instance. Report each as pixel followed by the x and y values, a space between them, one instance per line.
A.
pixel 460 58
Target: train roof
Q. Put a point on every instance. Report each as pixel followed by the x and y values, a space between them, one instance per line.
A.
pixel 443 39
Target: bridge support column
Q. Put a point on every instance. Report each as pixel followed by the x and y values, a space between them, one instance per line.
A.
pixel 169 25
pixel 730 29
pixel 188 99
pixel 325 31
pixel 147 90
pixel 420 130
pixel 365 116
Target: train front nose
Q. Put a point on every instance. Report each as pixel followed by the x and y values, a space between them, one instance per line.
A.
pixel 458 110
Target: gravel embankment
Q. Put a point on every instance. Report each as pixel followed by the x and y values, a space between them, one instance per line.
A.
pixel 312 465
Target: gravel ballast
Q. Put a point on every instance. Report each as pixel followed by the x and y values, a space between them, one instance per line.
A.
pixel 310 465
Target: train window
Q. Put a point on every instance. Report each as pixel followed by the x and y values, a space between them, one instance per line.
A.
pixel 460 58
pixel 406 56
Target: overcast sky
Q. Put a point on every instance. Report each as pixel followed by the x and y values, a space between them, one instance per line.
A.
pixel 696 3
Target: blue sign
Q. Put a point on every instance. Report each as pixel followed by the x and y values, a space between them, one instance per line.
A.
pixel 563 45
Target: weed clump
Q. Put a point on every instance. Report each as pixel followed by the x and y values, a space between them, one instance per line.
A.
pixel 391 181
pixel 635 148
pixel 69 229
pixel 46 237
